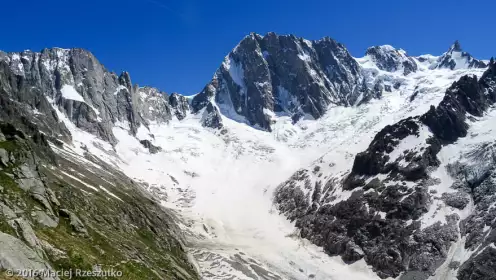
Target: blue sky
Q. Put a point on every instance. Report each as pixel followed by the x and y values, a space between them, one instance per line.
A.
pixel 178 45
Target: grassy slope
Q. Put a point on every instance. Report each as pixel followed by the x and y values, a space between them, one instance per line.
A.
pixel 132 234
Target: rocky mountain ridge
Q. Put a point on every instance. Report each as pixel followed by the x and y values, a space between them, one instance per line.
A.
pixel 92 97
pixel 262 78
pixel 58 213
pixel 273 75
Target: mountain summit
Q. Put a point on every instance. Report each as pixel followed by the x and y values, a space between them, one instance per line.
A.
pixel 456 58
pixel 390 59
pixel 283 74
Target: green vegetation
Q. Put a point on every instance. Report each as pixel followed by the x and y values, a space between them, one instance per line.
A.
pixel 10 146
pixel 133 235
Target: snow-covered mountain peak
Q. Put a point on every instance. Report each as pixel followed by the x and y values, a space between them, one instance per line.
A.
pixel 386 49
pixel 389 59
pixel 455 47
pixel 283 74
pixel 456 58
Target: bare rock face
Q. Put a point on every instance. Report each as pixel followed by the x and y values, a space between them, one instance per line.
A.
pixel 15 254
pixel 480 267
pixel 153 105
pixel 28 235
pixel 179 105
pixel 457 200
pixel 76 224
pixel 211 117
pixel 390 59
pixel 4 157
pixel 76 83
pixel 283 74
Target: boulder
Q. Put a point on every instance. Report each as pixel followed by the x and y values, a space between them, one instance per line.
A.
pixel 76 224
pixel 153 149
pixel 16 255
pixel 457 200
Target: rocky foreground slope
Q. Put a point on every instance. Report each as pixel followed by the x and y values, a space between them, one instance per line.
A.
pixel 88 159
pixel 58 213
pixel 51 220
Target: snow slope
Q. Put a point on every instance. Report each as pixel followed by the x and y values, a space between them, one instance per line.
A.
pixel 68 92
pixel 224 194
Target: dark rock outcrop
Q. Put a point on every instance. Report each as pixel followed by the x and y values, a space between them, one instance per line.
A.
pixel 390 59
pixel 447 122
pixel 153 149
pixel 179 105
pixel 457 200
pixel 211 117
pixel 481 267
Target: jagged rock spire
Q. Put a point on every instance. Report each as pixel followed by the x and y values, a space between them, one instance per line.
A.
pixel 125 80
pixel 459 60
pixel 455 47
